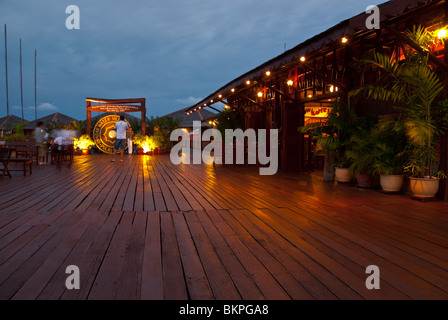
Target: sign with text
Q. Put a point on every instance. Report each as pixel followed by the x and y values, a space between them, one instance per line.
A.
pixel 104 133
pixel 113 108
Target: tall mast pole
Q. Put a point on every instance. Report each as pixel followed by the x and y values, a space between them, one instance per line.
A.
pixel 21 79
pixel 35 84
pixel 6 71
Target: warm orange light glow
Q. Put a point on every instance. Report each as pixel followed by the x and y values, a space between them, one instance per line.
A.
pixel 268 73
pixel 290 83
pixel 248 82
pixel 220 96
pixel 332 89
pixel 344 40
pixel 226 107
pixel 233 90
pixel 211 101
pixel 146 143
pixel 260 94
pixel 310 96
pixel 83 143
pixel 442 33
pixel 302 59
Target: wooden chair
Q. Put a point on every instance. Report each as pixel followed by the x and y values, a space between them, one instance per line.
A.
pixel 24 153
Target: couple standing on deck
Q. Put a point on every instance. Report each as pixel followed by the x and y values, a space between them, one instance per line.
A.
pixel 120 142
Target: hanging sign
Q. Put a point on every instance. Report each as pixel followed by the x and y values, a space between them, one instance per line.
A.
pixel 317 110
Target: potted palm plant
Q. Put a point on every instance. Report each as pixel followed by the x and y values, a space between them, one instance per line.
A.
pixel 360 152
pixel 332 139
pixel 413 86
pixel 389 153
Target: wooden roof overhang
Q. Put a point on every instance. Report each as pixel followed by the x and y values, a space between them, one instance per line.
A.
pixel 354 29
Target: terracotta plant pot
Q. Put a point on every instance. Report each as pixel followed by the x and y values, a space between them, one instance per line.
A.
pixel 391 183
pixel 364 180
pixel 343 175
pixel 424 187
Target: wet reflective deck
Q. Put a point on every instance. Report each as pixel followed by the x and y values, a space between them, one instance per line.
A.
pixel 146 229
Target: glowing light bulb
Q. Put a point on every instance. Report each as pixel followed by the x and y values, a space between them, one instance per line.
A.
pixel 442 33
pixel 302 59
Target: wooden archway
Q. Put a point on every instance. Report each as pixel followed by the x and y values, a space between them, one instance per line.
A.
pixel 116 106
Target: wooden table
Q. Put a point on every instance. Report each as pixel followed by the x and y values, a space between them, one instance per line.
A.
pixel 5 161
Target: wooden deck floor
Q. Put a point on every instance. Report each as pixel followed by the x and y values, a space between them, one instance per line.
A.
pixel 147 229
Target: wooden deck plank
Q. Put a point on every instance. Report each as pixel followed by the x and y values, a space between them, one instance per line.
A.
pixel 129 282
pixel 90 260
pixel 148 196
pixel 174 287
pixel 371 244
pixel 240 277
pixel 284 252
pixel 20 267
pixel 285 279
pixel 220 232
pixel 105 285
pixel 56 285
pixel 196 279
pixel 152 273
pixel 33 286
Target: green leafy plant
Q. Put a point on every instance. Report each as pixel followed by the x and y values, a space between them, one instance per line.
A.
pixel 17 133
pixel 389 152
pixel 362 142
pixel 413 87
pixel 334 134
pixel 161 129
pixel 229 120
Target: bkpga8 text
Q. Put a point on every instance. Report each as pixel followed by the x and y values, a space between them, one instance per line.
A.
pixel 249 309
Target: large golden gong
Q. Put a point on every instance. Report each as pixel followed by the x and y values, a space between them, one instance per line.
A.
pixel 104 133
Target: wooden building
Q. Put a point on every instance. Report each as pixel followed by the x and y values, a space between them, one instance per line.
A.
pixel 294 87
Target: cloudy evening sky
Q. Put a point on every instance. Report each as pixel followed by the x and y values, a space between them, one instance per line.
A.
pixel 171 52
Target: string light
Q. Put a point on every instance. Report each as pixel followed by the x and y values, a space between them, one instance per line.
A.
pixel 442 33
pixel 344 40
pixel 260 94
pixel 290 83
pixel 302 59
pixel 268 73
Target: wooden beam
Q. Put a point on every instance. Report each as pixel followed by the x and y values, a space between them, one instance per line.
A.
pixel 287 96
pixel 414 45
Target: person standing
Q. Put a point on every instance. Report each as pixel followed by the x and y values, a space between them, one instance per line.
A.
pixel 120 143
pixel 39 138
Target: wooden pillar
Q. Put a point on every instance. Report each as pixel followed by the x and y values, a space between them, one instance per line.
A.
pixel 292 157
pixel 443 191
pixel 143 105
pixel 89 119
